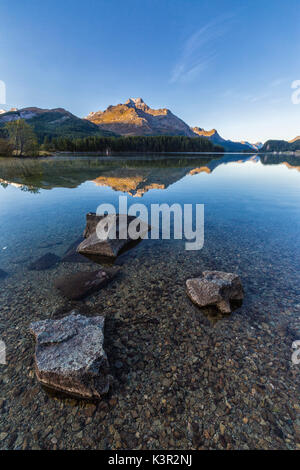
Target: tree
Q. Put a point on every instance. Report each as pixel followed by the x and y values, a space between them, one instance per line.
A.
pixel 22 137
pixel 6 148
pixel 162 143
pixel 46 144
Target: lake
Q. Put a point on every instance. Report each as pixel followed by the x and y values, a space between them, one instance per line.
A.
pixel 182 377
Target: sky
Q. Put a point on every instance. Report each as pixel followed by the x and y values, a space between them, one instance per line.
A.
pixel 224 64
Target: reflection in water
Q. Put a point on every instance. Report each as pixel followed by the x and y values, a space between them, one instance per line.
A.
pixel 135 175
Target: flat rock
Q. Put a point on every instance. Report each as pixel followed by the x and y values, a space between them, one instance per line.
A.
pixel 83 283
pixel 3 274
pixel 69 355
pixel 45 262
pixel 215 288
pixel 71 255
pixel 111 245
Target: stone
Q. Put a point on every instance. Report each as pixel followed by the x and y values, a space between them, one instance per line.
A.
pixel 71 255
pixel 69 355
pixel 44 262
pixel 119 364
pixel 83 283
pixel 110 245
pixel 215 288
pixel 3 274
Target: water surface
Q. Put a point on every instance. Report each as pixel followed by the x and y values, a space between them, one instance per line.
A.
pixel 234 371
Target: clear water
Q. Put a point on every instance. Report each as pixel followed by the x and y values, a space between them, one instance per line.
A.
pixel 250 204
pixel 252 227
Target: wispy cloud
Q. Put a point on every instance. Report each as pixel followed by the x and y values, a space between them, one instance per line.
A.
pixel 277 82
pixel 199 50
pixel 235 95
pixel 268 94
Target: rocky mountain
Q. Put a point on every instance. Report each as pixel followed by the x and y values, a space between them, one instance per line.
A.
pixel 228 145
pixel 136 118
pixel 53 122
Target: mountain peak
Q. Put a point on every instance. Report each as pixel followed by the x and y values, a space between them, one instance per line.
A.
pixel 138 104
pixel 135 117
pixel 135 101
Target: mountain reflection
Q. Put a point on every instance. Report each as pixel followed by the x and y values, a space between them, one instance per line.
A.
pixel 134 176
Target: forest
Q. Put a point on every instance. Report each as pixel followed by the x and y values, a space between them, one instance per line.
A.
pixel 18 138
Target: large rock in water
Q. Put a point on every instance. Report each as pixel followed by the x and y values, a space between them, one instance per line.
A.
pixel 113 242
pixel 69 355
pixel 79 285
pixel 215 288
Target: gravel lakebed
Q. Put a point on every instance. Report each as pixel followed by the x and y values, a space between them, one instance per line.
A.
pixel 182 378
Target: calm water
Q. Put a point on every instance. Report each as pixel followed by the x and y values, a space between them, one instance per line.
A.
pixel 251 203
pixel 252 227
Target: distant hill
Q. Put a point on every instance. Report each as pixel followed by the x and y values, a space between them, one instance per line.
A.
pixel 136 118
pixel 282 145
pixel 228 145
pixel 54 123
pixel 132 118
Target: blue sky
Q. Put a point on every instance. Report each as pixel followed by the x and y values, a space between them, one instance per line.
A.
pixel 227 64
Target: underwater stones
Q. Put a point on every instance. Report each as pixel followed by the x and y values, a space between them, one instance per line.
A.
pixel 69 355
pixel 3 274
pixel 44 262
pixel 115 237
pixel 83 283
pixel 294 327
pixel 215 288
pixel 71 255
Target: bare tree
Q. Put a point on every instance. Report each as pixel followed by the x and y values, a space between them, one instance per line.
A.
pixel 22 137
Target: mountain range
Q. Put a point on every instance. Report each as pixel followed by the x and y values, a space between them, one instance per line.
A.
pixel 132 118
pixel 54 122
pixel 135 117
pixel 228 145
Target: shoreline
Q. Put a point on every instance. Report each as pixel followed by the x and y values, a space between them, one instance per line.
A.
pixel 137 153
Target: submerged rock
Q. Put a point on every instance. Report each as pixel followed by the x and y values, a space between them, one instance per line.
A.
pixel 69 355
pixel 45 262
pixel 71 255
pixel 79 285
pixel 113 241
pixel 3 274
pixel 215 288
